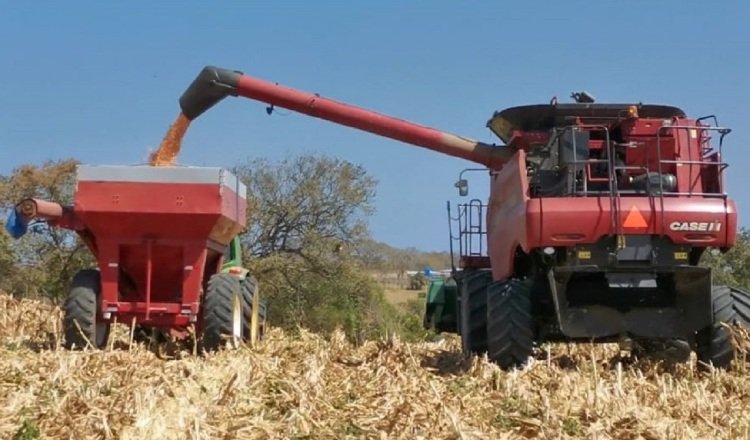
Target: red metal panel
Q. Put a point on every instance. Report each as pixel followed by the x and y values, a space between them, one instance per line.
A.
pixel 575 220
pixel 506 215
pixel 161 314
pixel 109 262
pixel 641 126
pixel 731 230
pixel 169 275
pixel 164 210
pixel 160 198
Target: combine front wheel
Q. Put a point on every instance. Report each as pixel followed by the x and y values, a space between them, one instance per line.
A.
pixel 81 325
pixel 473 311
pixel 222 312
pixel 714 343
pixel 510 324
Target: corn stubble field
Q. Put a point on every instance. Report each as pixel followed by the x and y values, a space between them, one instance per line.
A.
pixel 306 386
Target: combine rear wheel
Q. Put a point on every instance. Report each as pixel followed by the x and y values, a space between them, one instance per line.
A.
pixel 81 324
pixel 473 311
pixel 741 300
pixel 222 312
pixel 714 343
pixel 510 324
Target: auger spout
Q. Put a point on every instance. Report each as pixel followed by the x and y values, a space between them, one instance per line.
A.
pixel 214 84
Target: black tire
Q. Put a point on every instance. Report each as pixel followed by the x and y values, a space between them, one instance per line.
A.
pixel 510 323
pixel 458 279
pixel 473 310
pixel 249 290
pixel 741 300
pixel 223 314
pixel 262 318
pixel 714 343
pixel 80 325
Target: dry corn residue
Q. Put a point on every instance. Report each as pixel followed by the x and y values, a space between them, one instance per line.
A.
pixel 306 386
pixel 169 148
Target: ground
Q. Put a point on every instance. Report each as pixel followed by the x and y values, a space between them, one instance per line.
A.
pixel 306 386
pixel 398 296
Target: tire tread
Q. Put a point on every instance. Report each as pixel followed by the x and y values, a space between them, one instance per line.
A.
pixel 510 323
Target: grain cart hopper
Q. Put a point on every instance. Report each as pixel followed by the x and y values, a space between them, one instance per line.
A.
pixel 597 219
pixel 167 252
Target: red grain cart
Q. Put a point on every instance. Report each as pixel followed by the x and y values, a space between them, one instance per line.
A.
pixel 165 240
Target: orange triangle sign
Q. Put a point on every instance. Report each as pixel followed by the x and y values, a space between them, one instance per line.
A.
pixel 634 219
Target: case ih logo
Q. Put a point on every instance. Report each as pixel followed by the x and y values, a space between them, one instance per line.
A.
pixel 696 226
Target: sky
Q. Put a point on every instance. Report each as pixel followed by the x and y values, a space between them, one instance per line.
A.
pixel 100 81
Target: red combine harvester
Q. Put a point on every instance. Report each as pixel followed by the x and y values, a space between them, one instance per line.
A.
pixel 596 223
pixel 167 249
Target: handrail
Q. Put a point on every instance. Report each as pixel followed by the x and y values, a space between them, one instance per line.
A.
pixel 471 231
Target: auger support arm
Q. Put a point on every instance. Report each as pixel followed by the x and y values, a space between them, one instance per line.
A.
pixel 35 209
pixel 214 84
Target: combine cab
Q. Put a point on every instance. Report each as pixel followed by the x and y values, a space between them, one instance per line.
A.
pixel 596 223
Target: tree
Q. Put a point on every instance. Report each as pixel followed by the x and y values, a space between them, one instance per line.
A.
pixel 7 262
pixel 731 268
pixel 306 205
pixel 44 261
pixel 307 220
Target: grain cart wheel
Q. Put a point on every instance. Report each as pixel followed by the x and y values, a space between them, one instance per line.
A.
pixel 222 312
pixel 474 311
pixel 714 343
pixel 80 312
pixel 253 311
pixel 263 316
pixel 510 324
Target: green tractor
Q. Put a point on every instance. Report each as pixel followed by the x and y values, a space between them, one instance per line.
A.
pixel 255 309
pixel 441 310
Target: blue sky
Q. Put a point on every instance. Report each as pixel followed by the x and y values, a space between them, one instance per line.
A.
pixel 100 81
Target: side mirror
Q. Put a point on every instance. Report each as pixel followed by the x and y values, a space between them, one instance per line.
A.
pixel 463 187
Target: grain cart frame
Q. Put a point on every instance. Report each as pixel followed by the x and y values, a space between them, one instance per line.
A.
pixel 597 219
pixel 168 254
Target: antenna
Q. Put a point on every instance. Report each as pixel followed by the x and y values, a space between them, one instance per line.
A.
pixel 582 97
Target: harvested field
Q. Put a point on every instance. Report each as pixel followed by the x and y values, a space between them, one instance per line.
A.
pixel 306 386
pixel 400 296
